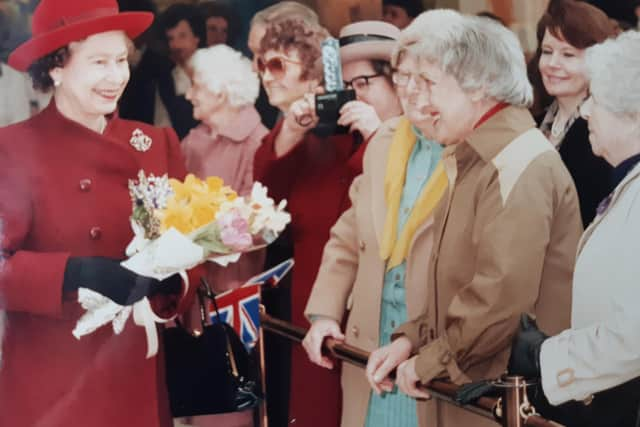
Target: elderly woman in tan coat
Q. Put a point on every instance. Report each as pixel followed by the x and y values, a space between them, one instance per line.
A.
pixel 372 271
pixel 506 232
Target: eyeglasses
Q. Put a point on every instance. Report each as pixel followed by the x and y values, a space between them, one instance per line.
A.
pixel 402 79
pixel 277 65
pixel 360 83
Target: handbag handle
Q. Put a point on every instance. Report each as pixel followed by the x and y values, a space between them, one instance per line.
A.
pixel 204 290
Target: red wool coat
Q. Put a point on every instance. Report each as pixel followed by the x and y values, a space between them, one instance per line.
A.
pixel 63 192
pixel 314 178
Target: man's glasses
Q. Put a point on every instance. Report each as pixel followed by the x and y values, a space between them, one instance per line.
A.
pixel 360 83
pixel 277 66
pixel 402 79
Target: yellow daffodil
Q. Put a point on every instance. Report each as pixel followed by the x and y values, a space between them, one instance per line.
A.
pixel 202 213
pixel 178 215
pixel 195 202
pixel 214 184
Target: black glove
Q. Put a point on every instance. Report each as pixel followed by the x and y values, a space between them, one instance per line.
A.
pixel 525 349
pixel 107 277
pixel 469 393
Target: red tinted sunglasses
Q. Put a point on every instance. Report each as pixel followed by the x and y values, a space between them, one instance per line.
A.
pixel 277 65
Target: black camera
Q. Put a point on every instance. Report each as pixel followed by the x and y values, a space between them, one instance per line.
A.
pixel 328 104
pixel 328 107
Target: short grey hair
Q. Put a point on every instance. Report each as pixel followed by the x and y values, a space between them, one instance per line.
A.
pixel 479 53
pixel 613 68
pixel 285 10
pixel 225 70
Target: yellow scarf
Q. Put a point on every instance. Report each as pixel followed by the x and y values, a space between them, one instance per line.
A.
pixel 394 250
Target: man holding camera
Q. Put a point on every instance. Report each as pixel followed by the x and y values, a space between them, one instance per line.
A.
pixel 314 172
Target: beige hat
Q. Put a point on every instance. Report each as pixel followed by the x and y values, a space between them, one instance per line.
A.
pixel 367 40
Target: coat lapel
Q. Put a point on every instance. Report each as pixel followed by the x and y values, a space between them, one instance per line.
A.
pixel 380 157
pixel 634 174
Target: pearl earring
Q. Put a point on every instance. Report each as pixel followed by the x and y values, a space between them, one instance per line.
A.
pixel 57 83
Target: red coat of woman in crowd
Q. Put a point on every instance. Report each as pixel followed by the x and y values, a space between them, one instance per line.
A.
pixel 314 177
pixel 64 225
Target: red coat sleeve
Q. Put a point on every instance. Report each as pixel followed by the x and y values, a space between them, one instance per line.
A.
pixel 29 281
pixel 277 173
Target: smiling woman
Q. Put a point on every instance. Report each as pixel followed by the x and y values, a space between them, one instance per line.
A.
pixel 65 209
pixel 557 72
pixel 506 228
pixel 95 72
pixel 314 172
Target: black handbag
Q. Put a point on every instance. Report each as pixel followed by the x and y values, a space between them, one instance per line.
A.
pixel 210 372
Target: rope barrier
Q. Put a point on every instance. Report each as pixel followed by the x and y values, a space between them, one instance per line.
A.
pixel 516 413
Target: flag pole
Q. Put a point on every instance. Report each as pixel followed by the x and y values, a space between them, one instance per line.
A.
pixel 263 406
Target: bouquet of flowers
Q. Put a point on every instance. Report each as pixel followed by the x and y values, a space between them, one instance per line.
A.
pixel 206 219
pixel 177 226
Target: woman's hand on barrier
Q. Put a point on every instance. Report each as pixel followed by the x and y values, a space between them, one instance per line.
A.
pixel 384 360
pixel 312 343
pixel 408 380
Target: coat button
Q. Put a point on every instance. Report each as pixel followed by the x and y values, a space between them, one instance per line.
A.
pixel 95 233
pixel 362 245
pixel 355 331
pixel 85 184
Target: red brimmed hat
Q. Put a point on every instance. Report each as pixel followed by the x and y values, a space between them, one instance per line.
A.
pixel 56 23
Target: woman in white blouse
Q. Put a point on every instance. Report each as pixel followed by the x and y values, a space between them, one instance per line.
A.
pixel 597 361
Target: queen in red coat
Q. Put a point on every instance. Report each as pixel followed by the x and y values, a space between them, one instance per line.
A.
pixel 314 172
pixel 64 216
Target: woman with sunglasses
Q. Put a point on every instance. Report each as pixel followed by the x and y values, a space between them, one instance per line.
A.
pixel 314 172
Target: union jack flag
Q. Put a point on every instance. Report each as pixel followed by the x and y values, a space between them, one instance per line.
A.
pixel 272 276
pixel 240 308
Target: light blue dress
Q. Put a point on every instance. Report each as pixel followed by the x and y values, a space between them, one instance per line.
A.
pixel 396 409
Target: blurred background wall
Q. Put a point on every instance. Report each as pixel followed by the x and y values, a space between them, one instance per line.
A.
pixel 519 15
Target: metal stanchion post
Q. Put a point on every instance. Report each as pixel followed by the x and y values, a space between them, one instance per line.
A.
pixel 514 401
pixel 264 417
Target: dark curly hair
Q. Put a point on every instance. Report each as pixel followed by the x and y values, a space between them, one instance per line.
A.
pixel 580 24
pixel 295 35
pixel 175 13
pixel 215 9
pixel 39 70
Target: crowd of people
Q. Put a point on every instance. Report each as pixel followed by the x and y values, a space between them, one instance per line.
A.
pixel 467 214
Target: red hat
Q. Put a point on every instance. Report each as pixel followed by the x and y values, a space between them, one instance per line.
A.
pixel 56 23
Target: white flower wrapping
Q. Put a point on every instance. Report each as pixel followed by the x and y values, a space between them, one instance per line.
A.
pixel 241 225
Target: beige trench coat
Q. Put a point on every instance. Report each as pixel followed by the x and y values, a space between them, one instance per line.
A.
pixel 506 238
pixel 350 279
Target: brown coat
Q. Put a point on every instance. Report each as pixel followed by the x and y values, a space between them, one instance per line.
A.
pixel 506 240
pixel 349 283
